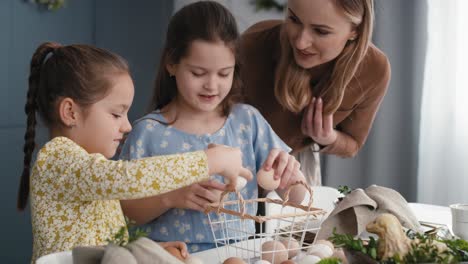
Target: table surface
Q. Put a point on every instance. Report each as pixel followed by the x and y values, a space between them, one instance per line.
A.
pixel 424 212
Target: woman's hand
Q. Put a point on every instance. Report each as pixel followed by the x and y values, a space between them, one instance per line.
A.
pixel 177 244
pixel 196 196
pixel 318 126
pixel 286 166
pixel 227 162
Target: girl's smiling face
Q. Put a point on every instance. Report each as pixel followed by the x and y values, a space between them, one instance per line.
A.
pixel 100 127
pixel 204 76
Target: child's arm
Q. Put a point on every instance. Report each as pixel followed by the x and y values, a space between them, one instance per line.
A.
pixel 194 197
pixel 77 175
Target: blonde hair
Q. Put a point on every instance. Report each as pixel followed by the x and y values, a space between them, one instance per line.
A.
pixel 292 83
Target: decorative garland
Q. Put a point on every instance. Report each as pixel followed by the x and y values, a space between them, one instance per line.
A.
pixel 51 5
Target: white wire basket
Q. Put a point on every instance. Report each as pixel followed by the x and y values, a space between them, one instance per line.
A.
pixel 294 227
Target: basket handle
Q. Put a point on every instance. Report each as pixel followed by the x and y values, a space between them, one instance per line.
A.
pixel 286 198
pixel 239 196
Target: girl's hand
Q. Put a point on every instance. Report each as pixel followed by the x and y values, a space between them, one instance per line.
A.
pixel 196 196
pixel 286 166
pixel 177 244
pixel 318 126
pixel 227 162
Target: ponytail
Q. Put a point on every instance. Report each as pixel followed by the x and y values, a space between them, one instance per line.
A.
pixel 37 62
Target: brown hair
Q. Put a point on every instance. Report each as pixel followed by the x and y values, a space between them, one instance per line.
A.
pixel 204 20
pixel 80 72
pixel 292 83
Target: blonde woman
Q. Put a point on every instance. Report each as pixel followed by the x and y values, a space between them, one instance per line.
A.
pixel 316 77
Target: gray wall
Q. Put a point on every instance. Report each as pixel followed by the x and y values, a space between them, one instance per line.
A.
pixel 132 29
pixel 390 155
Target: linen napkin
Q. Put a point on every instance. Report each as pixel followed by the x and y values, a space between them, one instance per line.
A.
pixel 358 208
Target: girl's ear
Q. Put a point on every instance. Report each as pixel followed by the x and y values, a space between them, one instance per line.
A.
pixel 68 112
pixel 171 68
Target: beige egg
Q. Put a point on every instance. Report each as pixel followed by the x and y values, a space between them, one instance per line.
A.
pixel 266 179
pixel 291 244
pixel 325 242
pixel 175 252
pixel 297 194
pixel 339 253
pixel 274 250
pixel 234 260
pixel 320 250
pixel 193 260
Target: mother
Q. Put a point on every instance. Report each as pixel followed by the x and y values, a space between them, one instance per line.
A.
pixel 316 77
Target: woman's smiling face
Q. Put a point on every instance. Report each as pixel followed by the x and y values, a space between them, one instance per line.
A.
pixel 317 31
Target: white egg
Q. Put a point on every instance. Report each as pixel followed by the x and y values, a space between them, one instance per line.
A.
pixel 266 179
pixel 309 259
pixel 241 182
pixel 320 250
pixel 262 262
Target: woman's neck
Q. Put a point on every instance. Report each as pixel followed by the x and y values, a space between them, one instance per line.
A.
pixel 317 72
pixel 193 121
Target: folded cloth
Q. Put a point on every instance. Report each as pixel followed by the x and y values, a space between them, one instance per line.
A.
pixel 116 254
pixel 358 208
pixel 146 251
pixel 88 255
pixel 141 251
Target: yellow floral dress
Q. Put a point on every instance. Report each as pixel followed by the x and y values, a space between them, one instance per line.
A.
pixel 75 195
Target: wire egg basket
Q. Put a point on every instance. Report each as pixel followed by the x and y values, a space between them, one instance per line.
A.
pixel 294 226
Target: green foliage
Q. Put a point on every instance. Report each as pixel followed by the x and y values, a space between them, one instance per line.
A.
pixel 345 190
pixel 52 5
pixel 267 5
pixel 349 242
pixel 330 261
pixel 423 252
pixel 121 239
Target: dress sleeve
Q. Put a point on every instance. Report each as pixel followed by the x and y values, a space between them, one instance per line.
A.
pixel 354 129
pixel 80 176
pixel 138 142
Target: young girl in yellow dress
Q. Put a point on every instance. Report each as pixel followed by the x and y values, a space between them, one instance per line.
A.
pixel 82 94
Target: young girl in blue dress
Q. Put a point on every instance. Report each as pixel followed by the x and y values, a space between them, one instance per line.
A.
pixel 194 104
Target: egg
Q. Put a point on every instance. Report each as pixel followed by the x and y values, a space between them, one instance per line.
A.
pixel 175 252
pixel 326 242
pixel 274 250
pixel 193 260
pixel 234 260
pixel 288 262
pixel 320 250
pixel 297 194
pixel 309 259
pixel 262 261
pixel 240 184
pixel 266 179
pixel 291 244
